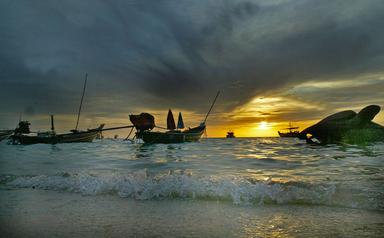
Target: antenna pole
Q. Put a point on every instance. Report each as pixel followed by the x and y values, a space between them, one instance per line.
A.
pixel 214 101
pixel 81 102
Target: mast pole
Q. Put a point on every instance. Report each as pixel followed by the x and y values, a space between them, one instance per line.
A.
pixel 52 124
pixel 81 102
pixel 214 101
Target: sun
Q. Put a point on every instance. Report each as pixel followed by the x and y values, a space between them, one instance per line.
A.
pixel 263 125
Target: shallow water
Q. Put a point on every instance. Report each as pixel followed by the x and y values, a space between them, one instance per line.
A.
pixel 239 185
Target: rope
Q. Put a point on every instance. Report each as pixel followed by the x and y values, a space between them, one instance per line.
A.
pixel 126 138
pixel 81 102
pixel 131 140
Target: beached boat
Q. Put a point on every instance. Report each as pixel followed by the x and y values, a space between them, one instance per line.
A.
pixel 144 123
pixel 292 132
pixel 4 134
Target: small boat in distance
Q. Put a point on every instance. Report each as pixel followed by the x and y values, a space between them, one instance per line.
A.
pixel 293 132
pixel 230 134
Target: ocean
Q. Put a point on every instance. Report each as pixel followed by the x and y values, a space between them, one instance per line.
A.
pixel 243 187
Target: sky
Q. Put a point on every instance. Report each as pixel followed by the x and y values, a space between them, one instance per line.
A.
pixel 274 62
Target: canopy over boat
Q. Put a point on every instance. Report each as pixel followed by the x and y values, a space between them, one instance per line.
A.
pixel 143 121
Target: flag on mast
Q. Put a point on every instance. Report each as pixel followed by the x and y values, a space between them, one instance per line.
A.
pixel 180 123
pixel 170 121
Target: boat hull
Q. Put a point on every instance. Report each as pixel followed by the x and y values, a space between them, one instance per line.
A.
pixel 194 134
pixel 86 136
pixel 190 135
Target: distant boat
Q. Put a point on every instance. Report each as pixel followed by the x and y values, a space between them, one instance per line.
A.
pixel 230 134
pixel 4 134
pixel 144 123
pixel 293 132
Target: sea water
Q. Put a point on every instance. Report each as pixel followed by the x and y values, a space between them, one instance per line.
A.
pixel 243 187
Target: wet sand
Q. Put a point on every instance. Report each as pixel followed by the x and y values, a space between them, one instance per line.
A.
pixel 39 213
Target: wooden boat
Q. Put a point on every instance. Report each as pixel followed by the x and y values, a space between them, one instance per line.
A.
pixel 175 136
pixel 144 123
pixel 293 132
pixel 23 136
pixel 53 138
pixel 4 134
pixel 230 134
pixel 22 132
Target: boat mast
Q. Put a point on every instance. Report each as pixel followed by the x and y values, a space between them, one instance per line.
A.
pixel 81 102
pixel 218 92
pixel 52 124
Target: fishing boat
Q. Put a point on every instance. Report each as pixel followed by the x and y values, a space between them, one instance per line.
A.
pixel 50 137
pixel 292 132
pixel 23 135
pixel 144 123
pixel 4 134
pixel 230 134
pixel 175 136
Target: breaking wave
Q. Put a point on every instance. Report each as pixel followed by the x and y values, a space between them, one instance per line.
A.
pixel 239 190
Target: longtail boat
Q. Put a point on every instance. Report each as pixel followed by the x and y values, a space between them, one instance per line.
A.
pixel 22 134
pixel 50 137
pixel 176 136
pixel 144 123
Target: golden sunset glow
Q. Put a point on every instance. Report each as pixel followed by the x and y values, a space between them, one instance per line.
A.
pixel 263 125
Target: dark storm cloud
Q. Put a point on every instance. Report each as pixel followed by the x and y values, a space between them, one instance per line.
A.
pixel 155 54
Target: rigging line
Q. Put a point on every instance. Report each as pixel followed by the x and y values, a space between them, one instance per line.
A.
pixel 127 138
pixel 218 92
pixel 81 102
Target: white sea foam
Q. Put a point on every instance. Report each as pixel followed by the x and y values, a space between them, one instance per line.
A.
pixel 239 190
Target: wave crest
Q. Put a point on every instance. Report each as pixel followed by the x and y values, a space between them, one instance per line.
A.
pixel 239 190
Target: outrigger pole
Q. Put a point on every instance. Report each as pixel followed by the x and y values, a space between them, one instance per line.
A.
pixel 81 102
pixel 218 92
pixel 116 128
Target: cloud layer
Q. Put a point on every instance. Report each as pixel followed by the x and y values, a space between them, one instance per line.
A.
pixel 143 54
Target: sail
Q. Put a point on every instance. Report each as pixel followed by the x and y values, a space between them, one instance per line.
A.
pixel 180 123
pixel 170 121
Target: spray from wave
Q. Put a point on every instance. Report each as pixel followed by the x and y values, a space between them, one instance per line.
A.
pixel 239 190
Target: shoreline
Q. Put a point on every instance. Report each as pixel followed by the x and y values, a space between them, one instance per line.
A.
pixel 42 213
